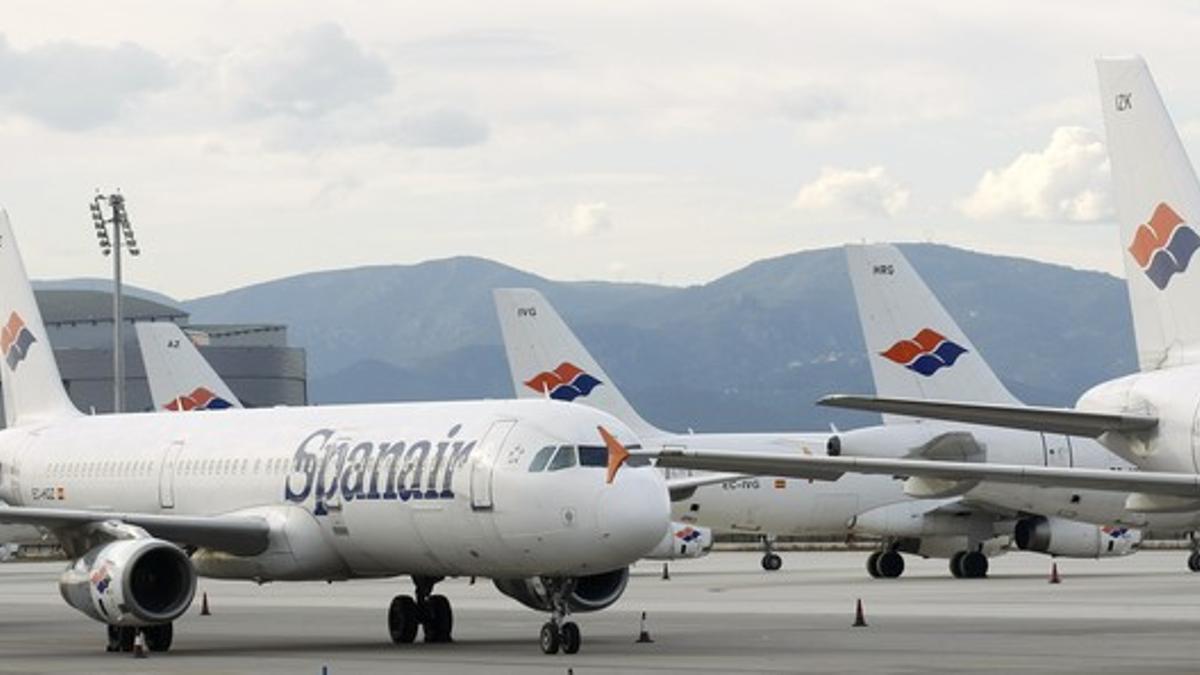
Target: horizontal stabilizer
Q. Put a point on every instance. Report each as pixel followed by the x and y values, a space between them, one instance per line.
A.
pixel 1030 418
pixel 829 468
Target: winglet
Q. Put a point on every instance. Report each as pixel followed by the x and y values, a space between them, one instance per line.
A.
pixel 617 454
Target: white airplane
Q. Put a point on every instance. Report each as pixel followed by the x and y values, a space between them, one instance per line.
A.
pixel 1149 419
pixel 143 503
pixel 917 351
pixel 181 379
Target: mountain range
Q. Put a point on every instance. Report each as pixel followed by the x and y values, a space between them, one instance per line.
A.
pixel 750 350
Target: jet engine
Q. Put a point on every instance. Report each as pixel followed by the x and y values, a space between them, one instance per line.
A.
pixel 1072 539
pixel 131 582
pixel 584 594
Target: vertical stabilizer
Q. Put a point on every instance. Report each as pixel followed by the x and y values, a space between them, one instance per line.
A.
pixel 1158 204
pixel 915 349
pixel 547 360
pixel 180 378
pixel 33 388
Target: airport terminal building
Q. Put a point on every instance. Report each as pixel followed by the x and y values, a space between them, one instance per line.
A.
pixel 254 359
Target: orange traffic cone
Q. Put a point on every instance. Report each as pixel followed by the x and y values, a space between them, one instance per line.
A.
pixel 139 646
pixel 860 619
pixel 644 635
pixel 1054 578
pixel 204 605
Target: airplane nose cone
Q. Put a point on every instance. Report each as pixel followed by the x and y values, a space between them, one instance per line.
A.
pixel 634 513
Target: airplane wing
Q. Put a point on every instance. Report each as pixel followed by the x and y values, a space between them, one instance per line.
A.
pixel 829 468
pixel 1030 418
pixel 239 535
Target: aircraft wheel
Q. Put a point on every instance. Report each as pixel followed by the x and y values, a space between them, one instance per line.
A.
pixel 956 564
pixel 403 619
pixel 1194 561
pixel 890 565
pixel 771 562
pixel 439 619
pixel 121 638
pixel 160 637
pixel 571 637
pixel 974 565
pixel 549 638
pixel 873 564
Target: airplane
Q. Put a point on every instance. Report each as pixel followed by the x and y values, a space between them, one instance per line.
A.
pixel 182 380
pixel 916 350
pixel 144 503
pixel 1149 418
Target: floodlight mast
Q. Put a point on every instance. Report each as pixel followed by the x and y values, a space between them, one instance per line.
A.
pixel 111 242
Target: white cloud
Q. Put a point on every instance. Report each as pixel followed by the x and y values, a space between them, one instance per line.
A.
pixel 587 219
pixel 1067 180
pixel 306 74
pixel 871 192
pixel 73 86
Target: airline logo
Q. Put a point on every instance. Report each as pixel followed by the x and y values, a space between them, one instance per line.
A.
pixel 688 534
pixel 926 353
pixel 15 340
pixel 1115 532
pixel 567 382
pixel 1164 246
pixel 199 399
pixel 102 577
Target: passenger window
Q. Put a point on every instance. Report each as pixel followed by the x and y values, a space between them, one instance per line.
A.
pixel 563 459
pixel 541 458
pixel 593 455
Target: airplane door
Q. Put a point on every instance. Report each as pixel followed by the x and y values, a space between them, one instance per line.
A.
pixel 1056 450
pixel 166 475
pixel 484 464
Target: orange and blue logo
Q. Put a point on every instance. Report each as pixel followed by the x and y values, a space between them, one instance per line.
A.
pixel 926 353
pixel 15 340
pixel 1164 246
pixel 688 534
pixel 200 399
pixel 567 382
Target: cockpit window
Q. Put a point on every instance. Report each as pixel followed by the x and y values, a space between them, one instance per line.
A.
pixel 563 459
pixel 540 459
pixel 593 455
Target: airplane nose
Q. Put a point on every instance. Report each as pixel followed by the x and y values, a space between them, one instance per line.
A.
pixel 634 512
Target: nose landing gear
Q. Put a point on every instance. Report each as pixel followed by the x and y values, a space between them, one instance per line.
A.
pixel 771 561
pixel 428 611
pixel 558 633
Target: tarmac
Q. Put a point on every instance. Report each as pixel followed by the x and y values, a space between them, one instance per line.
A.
pixel 718 614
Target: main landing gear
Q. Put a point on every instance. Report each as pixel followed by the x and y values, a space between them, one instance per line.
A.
pixel 427 611
pixel 771 561
pixel 158 638
pixel 558 633
pixel 885 564
pixel 969 565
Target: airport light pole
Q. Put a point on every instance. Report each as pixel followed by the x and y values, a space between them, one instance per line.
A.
pixel 111 242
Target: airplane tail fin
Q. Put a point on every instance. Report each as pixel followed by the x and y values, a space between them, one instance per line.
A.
pixel 547 360
pixel 915 349
pixel 180 379
pixel 1158 205
pixel 33 388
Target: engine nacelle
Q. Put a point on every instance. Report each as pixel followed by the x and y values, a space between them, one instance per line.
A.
pixel 683 541
pixel 131 582
pixel 585 594
pixel 1072 539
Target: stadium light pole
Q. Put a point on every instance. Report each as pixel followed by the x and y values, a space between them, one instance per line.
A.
pixel 111 242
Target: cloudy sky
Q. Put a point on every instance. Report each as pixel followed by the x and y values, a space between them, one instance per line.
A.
pixel 667 142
